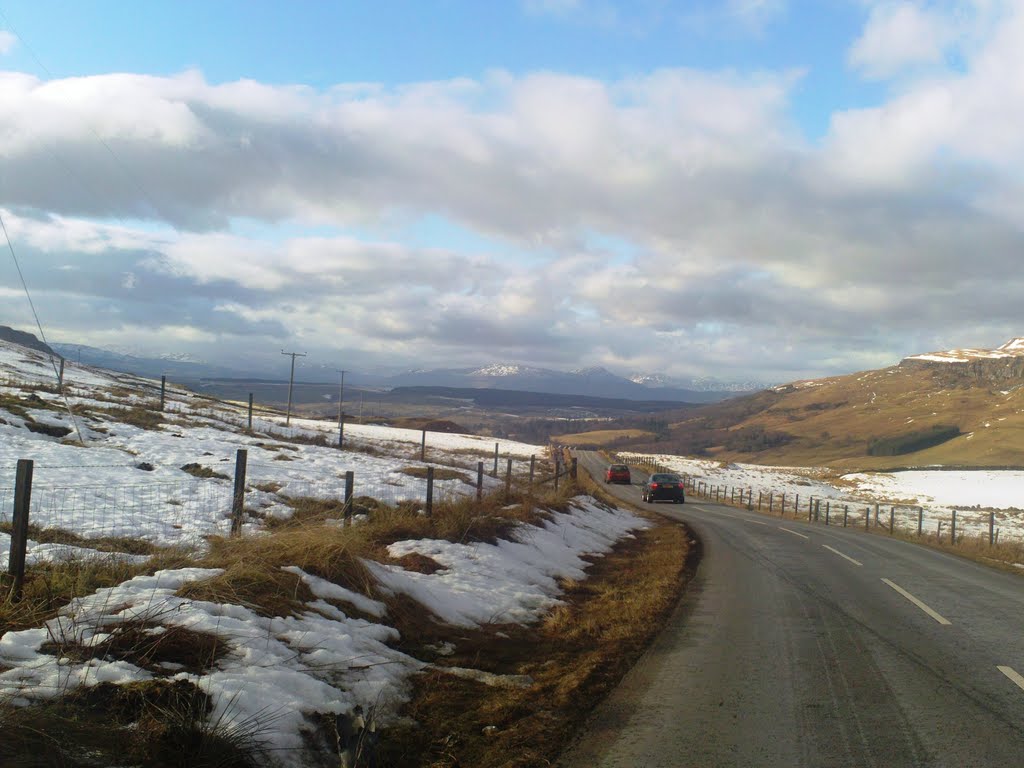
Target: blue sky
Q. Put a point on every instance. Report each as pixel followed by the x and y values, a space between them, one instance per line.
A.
pixel 556 182
pixel 322 44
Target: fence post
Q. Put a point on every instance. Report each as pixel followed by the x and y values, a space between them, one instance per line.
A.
pixel 250 412
pixel 495 473
pixel 573 469
pixel 19 525
pixel 60 376
pixel 350 481
pixel 846 513
pixel 238 499
pixel 828 511
pixel 533 461
pixel 782 505
pixel 771 502
pixel 479 480
pixel 892 520
pixel 796 506
pixel 876 514
pixel 508 479
pixel 423 446
pixel 163 391
pixel 991 528
pixel 760 497
pixel 867 518
pixel 953 531
pixel 920 520
pixel 430 491
pixel 810 508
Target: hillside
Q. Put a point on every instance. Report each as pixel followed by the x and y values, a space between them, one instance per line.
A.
pixel 150 629
pixel 840 421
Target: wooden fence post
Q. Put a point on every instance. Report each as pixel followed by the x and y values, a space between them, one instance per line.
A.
pixel 238 497
pixel 828 511
pixel 920 520
pixel 782 505
pixel 350 481
pixel 163 391
pixel 430 491
pixel 60 376
pixel 423 446
pixel 846 513
pixel 953 530
pixel 533 461
pixel 479 480
pixel 796 506
pixel 495 473
pixel 867 518
pixel 991 528
pixel 892 520
pixel 508 480
pixel 19 526
pixel 249 428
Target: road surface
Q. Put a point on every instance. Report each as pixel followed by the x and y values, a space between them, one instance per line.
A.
pixel 801 645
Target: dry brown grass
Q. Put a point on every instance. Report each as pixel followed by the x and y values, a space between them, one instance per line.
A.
pixel 602 437
pixel 551 674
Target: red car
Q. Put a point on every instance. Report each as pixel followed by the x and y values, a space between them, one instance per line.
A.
pixel 617 473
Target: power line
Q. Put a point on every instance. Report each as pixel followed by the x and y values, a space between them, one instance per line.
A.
pixel 42 334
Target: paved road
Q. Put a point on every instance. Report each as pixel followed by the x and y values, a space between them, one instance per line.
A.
pixel 800 645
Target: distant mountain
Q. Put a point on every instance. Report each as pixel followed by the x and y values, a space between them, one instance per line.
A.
pixel 182 367
pixel 585 382
pixel 24 339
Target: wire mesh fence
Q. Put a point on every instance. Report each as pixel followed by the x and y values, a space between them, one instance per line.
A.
pixel 75 522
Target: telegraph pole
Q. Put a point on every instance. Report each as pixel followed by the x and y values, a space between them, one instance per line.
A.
pixel 291 383
pixel 341 412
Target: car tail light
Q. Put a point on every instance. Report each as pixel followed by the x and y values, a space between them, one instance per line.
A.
pixel 654 485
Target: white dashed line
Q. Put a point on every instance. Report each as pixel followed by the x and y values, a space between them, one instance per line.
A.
pixel 755 522
pixel 845 557
pixel 787 530
pixel 1013 675
pixel 918 603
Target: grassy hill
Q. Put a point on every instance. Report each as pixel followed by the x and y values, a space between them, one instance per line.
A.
pixel 843 420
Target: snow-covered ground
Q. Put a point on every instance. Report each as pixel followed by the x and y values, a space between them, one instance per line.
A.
pixel 973 494
pixel 278 671
pixel 128 481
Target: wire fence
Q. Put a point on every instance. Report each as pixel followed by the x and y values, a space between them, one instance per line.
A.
pixel 956 525
pixel 64 522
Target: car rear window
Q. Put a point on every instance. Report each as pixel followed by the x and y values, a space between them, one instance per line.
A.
pixel 666 478
pixel 619 468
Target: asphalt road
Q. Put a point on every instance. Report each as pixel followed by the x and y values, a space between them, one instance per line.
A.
pixel 801 645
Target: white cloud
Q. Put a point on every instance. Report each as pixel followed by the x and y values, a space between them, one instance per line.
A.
pixel 740 233
pixel 755 14
pixel 7 42
pixel 900 35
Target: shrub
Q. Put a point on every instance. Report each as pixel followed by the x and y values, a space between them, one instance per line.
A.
pixel 754 439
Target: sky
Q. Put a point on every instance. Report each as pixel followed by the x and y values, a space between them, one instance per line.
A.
pixel 744 189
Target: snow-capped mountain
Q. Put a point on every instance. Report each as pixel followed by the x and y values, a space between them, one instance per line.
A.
pixel 699 384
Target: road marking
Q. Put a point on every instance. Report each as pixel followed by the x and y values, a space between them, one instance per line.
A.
pixel 918 603
pixel 787 530
pixel 1013 675
pixel 845 557
pixel 754 522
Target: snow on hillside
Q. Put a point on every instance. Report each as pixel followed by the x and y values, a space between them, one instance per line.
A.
pixel 1012 348
pixel 127 480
